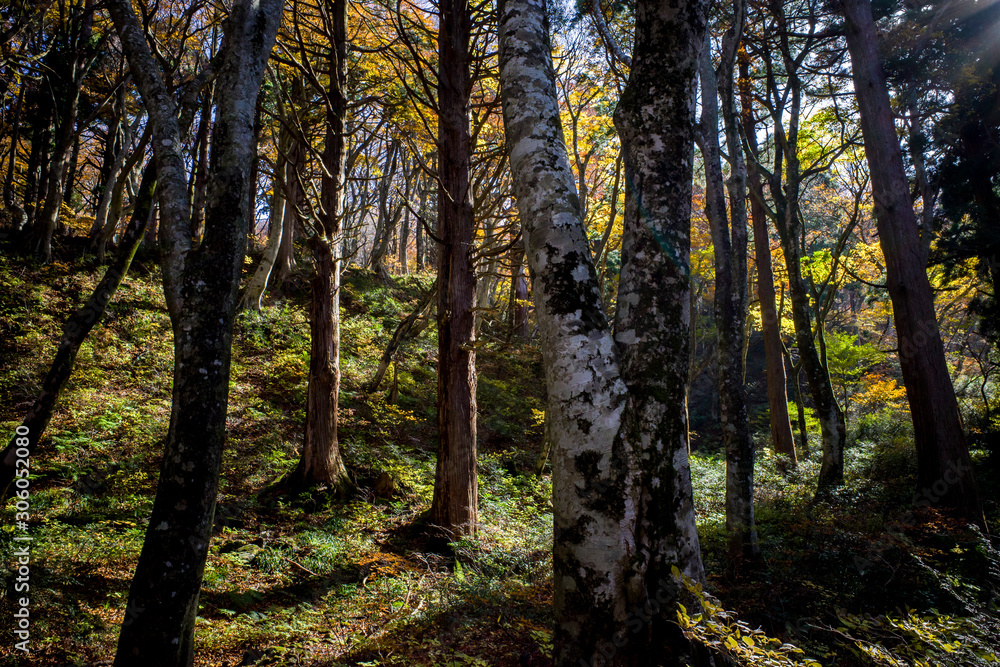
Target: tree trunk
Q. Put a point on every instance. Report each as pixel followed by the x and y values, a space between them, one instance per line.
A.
pixel 60 160
pixel 48 219
pixel 655 120
pixel 730 248
pixel 944 469
pixel 622 502
pixel 404 243
pixel 418 231
pixel 388 213
pixel 777 393
pixel 114 206
pixel 71 169
pixel 15 140
pixel 285 264
pixel 200 286
pixel 518 295
pixel 41 136
pixel 789 225
pixel 76 330
pixel 200 177
pixel 254 292
pixel 456 491
pixel 321 462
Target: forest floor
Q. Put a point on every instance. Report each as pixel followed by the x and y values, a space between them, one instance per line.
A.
pixel 855 579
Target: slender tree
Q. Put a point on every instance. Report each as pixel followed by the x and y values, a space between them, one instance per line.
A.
pixel 944 469
pixel 456 490
pixel 729 241
pixel 321 462
pixel 777 392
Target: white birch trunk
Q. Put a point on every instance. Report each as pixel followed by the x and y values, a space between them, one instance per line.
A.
pixel 619 460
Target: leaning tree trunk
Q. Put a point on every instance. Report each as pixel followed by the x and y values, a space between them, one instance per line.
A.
pixel 622 502
pixel 456 490
pixel 200 287
pixel 254 292
pixel 944 469
pixel 76 330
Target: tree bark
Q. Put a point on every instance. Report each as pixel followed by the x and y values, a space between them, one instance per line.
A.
pixel 200 286
pixel 622 502
pixel 321 463
pixel 944 469
pixel 456 490
pixel 656 123
pixel 729 242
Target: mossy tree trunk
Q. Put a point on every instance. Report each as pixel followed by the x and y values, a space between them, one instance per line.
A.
pixel 728 227
pixel 622 499
pixel 200 286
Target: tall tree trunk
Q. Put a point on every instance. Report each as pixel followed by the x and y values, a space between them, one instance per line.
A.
pixel 15 140
pixel 418 230
pixel 456 490
pixel 200 287
pixel 788 222
pixel 71 169
pixel 518 314
pixel 622 502
pixel 729 244
pixel 404 243
pixel 777 393
pixel 385 225
pixel 48 219
pixel 944 469
pixel 76 330
pixel 655 120
pixel 38 159
pixel 321 462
